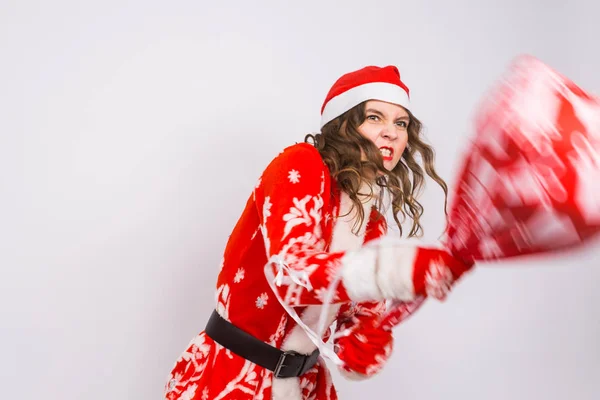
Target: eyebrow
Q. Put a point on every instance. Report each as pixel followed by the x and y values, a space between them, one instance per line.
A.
pixel 371 110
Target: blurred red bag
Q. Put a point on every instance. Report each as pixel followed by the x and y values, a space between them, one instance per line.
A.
pixel 530 179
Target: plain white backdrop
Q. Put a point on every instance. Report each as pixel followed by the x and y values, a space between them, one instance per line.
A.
pixel 131 134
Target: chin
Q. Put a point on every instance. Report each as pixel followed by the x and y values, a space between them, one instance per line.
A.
pixel 389 165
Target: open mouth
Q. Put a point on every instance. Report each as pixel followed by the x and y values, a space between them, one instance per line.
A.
pixel 387 153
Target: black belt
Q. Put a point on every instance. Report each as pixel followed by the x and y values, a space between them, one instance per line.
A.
pixel 284 364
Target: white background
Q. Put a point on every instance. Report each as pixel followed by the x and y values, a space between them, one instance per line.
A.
pixel 131 134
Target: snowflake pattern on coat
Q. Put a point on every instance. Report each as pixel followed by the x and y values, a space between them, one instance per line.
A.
pixel 290 214
pixel 438 280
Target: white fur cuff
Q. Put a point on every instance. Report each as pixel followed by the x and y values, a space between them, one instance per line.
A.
pixel 395 272
pixel 358 275
pixel 380 272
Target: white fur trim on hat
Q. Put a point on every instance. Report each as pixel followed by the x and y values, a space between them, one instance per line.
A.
pixel 381 91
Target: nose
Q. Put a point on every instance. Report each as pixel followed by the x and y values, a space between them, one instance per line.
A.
pixel 389 132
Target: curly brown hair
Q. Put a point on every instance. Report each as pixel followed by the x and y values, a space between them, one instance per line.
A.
pixel 342 147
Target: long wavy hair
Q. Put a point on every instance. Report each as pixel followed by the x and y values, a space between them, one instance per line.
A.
pixel 342 147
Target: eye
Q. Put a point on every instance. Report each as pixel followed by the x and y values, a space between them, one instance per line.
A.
pixel 402 124
pixel 373 117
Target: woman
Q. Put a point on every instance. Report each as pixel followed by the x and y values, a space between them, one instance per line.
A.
pixel 312 228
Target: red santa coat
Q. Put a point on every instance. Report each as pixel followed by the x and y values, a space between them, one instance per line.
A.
pixel 296 212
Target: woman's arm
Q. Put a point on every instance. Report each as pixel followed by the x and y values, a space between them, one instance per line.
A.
pixel 290 199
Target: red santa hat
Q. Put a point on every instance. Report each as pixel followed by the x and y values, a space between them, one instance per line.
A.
pixel 369 83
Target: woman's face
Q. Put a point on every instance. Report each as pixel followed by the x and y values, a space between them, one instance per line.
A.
pixel 386 125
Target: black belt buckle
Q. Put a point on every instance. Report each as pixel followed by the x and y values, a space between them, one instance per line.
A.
pixel 301 365
pixel 281 363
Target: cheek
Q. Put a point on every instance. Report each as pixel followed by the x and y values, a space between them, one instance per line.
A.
pixel 368 132
pixel 402 145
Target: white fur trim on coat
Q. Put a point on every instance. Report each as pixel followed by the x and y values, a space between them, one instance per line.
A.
pixel 395 268
pixel 297 340
pixel 381 271
pixel 358 275
pixel 343 239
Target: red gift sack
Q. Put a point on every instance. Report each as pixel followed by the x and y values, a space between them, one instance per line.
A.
pixel 530 178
